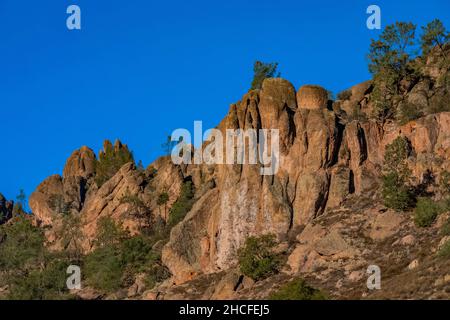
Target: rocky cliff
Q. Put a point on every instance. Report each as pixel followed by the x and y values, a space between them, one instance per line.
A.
pixel 6 209
pixel 323 204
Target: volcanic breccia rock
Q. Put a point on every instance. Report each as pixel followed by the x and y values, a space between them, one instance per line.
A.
pixel 6 209
pixel 77 192
pixel 323 160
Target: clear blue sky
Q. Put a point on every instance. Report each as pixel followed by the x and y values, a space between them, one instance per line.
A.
pixel 139 69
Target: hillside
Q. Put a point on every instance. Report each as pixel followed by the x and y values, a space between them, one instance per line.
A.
pixel 326 205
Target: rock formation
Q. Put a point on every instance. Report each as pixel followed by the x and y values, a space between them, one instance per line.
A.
pixel 323 204
pixel 323 161
pixel 6 209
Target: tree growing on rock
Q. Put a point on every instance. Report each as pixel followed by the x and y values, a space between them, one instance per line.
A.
pixel 162 200
pixel 434 35
pixel 110 160
pixel 257 258
pixel 390 60
pixel 261 71
pixel 396 188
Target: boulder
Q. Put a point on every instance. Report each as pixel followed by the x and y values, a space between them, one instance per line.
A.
pixel 312 97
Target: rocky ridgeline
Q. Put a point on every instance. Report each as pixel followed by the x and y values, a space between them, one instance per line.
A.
pixel 77 193
pixel 323 204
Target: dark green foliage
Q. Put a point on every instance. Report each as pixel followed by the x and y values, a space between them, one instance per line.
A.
pixel 434 35
pixel 393 50
pixel 297 289
pixel 390 58
pixel 393 63
pixel 257 259
pixel 408 112
pixel 439 103
pixel 21 244
pixel 119 257
pixel 48 283
pixel 445 229
pixel 396 190
pixel 162 200
pixel 261 71
pixel 110 160
pixel 103 269
pixel 395 155
pixel 444 252
pixel 136 252
pixel 183 204
pixel 109 233
pixel 137 207
pixel 30 271
pixel 72 237
pixel 396 194
pixel 426 212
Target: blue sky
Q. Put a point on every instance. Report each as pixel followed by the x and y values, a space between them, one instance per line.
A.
pixel 139 69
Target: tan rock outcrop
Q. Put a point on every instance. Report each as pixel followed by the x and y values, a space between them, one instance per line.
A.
pixel 80 164
pixel 325 161
pixel 312 97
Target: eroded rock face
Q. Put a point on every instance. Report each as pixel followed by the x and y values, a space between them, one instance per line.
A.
pixel 80 164
pixel 58 195
pixel 323 161
pixel 6 208
pixel 246 203
pixel 325 158
pixel 129 197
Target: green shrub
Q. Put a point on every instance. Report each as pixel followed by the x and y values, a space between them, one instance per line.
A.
pixel 445 229
pixel 136 252
pixel 408 112
pixel 183 204
pixel 72 237
pixel 46 284
pixel 118 258
pixel 109 233
pixel 444 252
pixel 257 259
pixel 103 269
pixel 21 244
pixel 26 266
pixel 396 191
pixel 426 212
pixel 297 289
pixel 396 195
